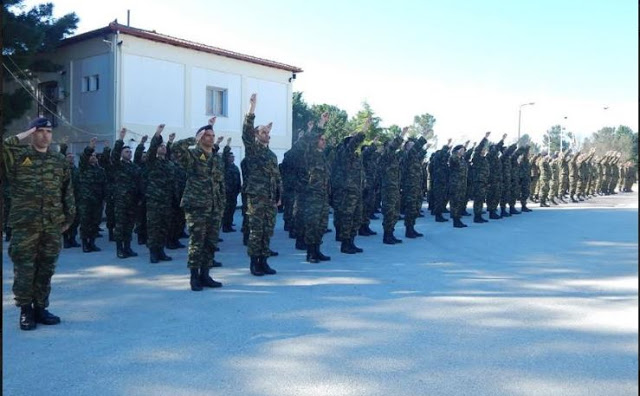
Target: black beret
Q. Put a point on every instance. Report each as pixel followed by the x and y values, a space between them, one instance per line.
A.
pixel 205 128
pixel 458 147
pixel 40 122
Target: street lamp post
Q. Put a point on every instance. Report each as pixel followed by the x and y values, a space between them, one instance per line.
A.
pixel 561 128
pixel 520 115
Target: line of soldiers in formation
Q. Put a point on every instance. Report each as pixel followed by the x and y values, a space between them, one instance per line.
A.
pixel 153 191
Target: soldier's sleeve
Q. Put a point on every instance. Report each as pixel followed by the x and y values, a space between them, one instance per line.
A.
pixel 226 152
pixel 182 147
pixel 105 159
pixel 137 156
pixel 68 200
pixel 248 134
pixel 117 152
pixel 64 148
pixel 169 149
pixel 156 141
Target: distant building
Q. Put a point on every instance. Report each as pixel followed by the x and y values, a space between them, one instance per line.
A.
pixel 120 76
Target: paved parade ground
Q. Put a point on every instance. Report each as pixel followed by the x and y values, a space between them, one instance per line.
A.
pixel 543 303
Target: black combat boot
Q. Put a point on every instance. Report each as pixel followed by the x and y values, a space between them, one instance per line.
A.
pixel 524 207
pixel 273 253
pixel 300 245
pixel 94 248
pixel 27 320
pixel 543 203
pixel 353 245
pixel 254 267
pixel 364 230
pixel 195 280
pixel 458 224
pixel 346 247
pixel 465 213
pixel 111 238
pixel 410 232
pixel 171 245
pixel 319 254
pixel 553 200
pixel 561 198
pixel 42 316
pixel 153 255
pixel 513 210
pixel 477 219
pixel 142 238
pixel 86 245
pixel 312 255
pixel 573 199
pixel 440 219
pixel 120 250
pixel 265 266
pixel 292 233
pixel 503 212
pixel 127 249
pixel 206 280
pixel 388 238
pixel 493 215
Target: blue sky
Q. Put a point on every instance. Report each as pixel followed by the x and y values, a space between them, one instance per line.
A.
pixel 469 63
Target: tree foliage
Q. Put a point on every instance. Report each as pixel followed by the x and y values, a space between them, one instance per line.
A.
pixel 551 140
pixel 622 139
pixel 423 125
pixel 27 34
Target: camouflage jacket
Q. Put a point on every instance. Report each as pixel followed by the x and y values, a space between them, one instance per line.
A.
pixel 232 181
pixel 263 177
pixel 160 174
pixel 126 175
pixel 41 186
pixel 92 181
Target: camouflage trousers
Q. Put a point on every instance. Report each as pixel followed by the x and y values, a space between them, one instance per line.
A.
pixel 564 185
pixel 390 209
pixel 458 197
pixel 573 184
pixel 505 198
pixel 368 206
pixel 288 199
pixel 261 214
pixel 525 192
pixel 159 218
pixel 515 191
pixel 533 187
pixel 202 238
pixel 412 199
pixel 126 213
pixel 90 215
pixel 553 187
pixel 141 219
pixel 72 231
pixel 347 213
pixel 544 190
pixel 316 218
pixel 110 211
pixel 439 198
pixel 298 214
pixel 34 250
pixel 479 194
pixel 494 192
pixel 229 209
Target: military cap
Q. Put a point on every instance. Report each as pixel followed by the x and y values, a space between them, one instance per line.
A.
pixel 205 128
pixel 458 147
pixel 40 122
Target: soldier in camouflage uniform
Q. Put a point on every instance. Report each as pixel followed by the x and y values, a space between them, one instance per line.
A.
pixel 370 159
pixel 109 210
pixel 573 176
pixel 69 236
pixel 140 159
pixel 515 180
pixel 554 184
pixel 583 174
pixel 43 207
pixel 411 178
pixel 347 180
pixel 481 170
pixel 198 201
pixel 90 193
pixel 161 194
pixel 178 222
pixel 545 178
pixel 457 184
pixel 288 189
pixel 505 158
pixel 233 185
pixel 316 191
pixel 615 175
pixel 524 167
pixel 127 195
pixel 534 177
pixel 494 187
pixel 390 187
pixel 564 175
pixel 299 171
pixel 264 191
pixel 440 181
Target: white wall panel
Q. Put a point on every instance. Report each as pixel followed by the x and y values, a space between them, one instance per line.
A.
pixel 200 80
pixel 271 104
pixel 152 91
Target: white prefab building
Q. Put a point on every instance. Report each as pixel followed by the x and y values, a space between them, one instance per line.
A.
pixel 120 76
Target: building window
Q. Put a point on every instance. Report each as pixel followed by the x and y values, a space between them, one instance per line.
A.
pixel 217 102
pixel 91 83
